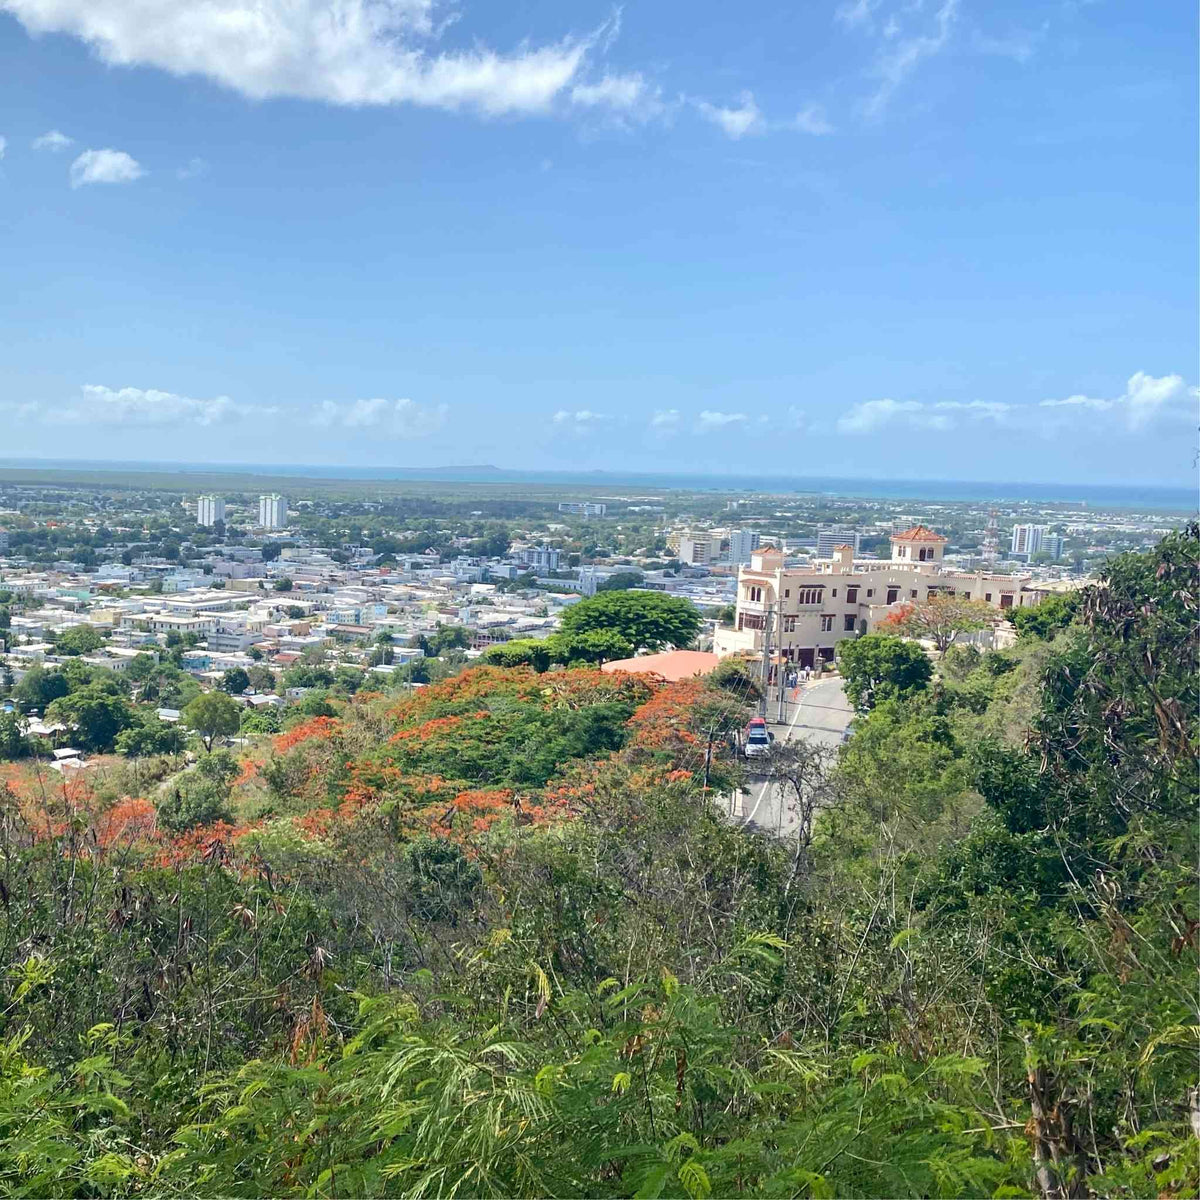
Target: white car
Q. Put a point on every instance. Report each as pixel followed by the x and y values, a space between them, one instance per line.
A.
pixel 758 739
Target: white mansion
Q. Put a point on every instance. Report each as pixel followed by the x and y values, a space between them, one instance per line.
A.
pixel 812 608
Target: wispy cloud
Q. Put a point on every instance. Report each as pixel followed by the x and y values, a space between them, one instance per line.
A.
pixel 1145 397
pixel 3 146
pixel 1144 400
pixel 402 418
pixel 192 169
pixel 665 420
pixel 1019 44
pixel 355 52
pixel 812 120
pixel 104 166
pixel 54 141
pixel 710 421
pixel 626 97
pixel 903 54
pixel 130 406
pixel 735 122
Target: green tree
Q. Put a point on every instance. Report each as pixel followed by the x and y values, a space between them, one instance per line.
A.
pixel 12 740
pixel 646 620
pixel 38 688
pixel 78 639
pixel 881 667
pixel 621 581
pixel 596 646
pixel 262 679
pixel 520 652
pixel 213 715
pixel 283 584
pixel 96 714
pixel 149 736
pixel 235 681
pixel 1044 620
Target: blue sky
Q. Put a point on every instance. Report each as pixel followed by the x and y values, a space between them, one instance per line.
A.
pixel 934 238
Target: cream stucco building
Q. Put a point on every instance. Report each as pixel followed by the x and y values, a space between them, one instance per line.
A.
pixel 811 609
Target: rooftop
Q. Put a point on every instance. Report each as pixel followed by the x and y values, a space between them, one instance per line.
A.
pixel 918 533
pixel 673 665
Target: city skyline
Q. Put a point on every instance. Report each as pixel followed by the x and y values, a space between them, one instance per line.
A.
pixel 873 239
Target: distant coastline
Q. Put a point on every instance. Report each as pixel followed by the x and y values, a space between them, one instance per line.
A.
pixel 1098 496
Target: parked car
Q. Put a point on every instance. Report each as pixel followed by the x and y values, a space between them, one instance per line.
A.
pixel 758 738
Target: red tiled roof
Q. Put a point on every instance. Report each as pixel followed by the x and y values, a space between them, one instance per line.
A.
pixel 918 533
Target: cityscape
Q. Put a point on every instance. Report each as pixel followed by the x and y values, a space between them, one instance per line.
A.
pixel 599 601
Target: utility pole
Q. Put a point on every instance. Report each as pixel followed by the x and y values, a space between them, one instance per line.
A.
pixel 766 659
pixel 782 670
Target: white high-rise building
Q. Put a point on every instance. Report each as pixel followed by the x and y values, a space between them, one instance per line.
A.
pixel 210 510
pixel 272 512
pixel 1028 539
pixel 742 544
pixel 829 539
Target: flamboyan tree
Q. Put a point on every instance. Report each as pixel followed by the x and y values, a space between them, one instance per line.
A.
pixel 942 618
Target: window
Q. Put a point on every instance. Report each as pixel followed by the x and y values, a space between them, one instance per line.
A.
pixel 913 594
pixel 787 592
pixel 1006 599
pixel 751 621
pixel 870 593
pixel 755 595
pixel 852 595
pixel 988 597
pixel 901 551
pixel 835 593
pixel 810 595
pixel 848 623
pixel 789 624
pixel 827 623
pixel 893 594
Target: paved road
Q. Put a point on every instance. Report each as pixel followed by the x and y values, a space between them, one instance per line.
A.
pixel 820 715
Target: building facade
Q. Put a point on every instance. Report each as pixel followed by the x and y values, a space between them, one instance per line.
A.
pixel 272 512
pixel 829 539
pixel 807 610
pixel 210 510
pixel 583 508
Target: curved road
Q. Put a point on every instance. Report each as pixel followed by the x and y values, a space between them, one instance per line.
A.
pixel 820 715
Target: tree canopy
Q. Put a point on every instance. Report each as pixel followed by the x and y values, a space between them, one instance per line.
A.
pixel 942 618
pixel 213 715
pixel 645 620
pixel 881 667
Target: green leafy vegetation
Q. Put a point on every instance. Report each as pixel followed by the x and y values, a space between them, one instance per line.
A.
pixel 495 939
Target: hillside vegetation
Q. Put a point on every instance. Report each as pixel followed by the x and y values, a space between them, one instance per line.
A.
pixel 496 940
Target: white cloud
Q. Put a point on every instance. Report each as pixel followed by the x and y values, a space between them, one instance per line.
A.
pixel 710 421
pixel 627 96
pixel 916 414
pixel 346 52
pixel 665 420
pixel 737 122
pixel 580 422
pixel 900 53
pixel 192 169
pixel 400 418
pixel 100 405
pixel 1145 398
pixel 3 146
pixel 812 120
pixel 54 141
pixel 104 166
pixel 856 13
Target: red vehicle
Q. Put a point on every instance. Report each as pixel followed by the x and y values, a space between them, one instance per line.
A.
pixel 757 739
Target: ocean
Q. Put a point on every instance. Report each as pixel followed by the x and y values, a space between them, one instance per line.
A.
pixel 1141 497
